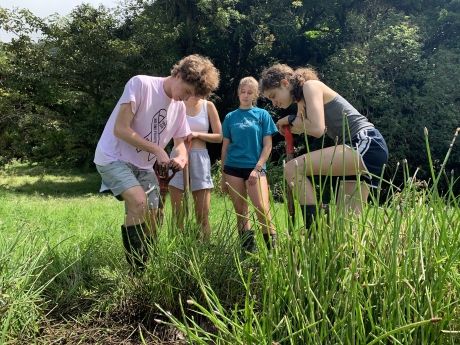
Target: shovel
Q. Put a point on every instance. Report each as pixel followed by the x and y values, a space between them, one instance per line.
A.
pixel 289 155
pixel 164 175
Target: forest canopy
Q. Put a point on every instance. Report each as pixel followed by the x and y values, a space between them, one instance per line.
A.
pixel 396 61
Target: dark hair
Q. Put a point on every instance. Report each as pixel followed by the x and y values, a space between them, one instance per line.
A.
pixel 198 71
pixel 271 78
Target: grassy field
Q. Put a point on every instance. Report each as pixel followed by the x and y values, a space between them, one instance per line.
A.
pixel 389 277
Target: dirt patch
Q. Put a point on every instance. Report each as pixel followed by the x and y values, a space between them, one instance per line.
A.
pixel 107 331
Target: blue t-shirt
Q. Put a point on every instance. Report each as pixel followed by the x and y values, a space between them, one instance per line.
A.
pixel 246 129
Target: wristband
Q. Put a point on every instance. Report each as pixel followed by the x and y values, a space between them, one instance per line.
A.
pixel 291 119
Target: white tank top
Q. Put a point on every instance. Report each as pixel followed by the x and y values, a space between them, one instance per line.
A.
pixel 200 121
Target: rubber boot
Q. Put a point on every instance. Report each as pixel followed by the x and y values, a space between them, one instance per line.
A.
pixel 134 241
pixel 247 241
pixel 309 215
pixel 270 240
pixel 325 210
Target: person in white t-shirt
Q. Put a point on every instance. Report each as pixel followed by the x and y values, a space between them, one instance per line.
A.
pixel 147 116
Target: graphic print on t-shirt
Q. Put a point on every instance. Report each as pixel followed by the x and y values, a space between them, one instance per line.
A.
pixel 246 123
pixel 157 126
pixel 249 123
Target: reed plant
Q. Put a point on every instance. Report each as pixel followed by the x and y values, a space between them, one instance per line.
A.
pixel 389 275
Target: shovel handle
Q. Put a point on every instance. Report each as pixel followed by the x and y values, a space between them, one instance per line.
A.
pixel 289 155
pixel 289 141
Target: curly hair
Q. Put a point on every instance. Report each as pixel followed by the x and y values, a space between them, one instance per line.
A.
pixel 198 71
pixel 271 78
pixel 252 83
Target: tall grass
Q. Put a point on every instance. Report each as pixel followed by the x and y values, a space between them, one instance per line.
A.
pixel 21 304
pixel 65 245
pixel 388 276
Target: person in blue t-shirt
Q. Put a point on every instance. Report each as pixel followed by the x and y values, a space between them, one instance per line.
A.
pixel 247 144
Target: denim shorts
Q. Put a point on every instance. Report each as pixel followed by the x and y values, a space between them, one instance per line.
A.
pixel 199 171
pixel 373 150
pixel 241 172
pixel 119 176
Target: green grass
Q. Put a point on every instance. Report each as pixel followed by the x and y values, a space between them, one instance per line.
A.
pixel 391 276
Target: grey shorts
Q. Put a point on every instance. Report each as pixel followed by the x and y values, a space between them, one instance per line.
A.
pixel 119 176
pixel 199 170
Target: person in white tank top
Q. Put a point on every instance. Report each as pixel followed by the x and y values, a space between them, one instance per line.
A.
pixel 200 115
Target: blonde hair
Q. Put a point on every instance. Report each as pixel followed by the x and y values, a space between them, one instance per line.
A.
pixel 252 83
pixel 199 72
pixel 271 78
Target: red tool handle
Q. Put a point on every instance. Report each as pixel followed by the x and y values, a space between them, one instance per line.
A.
pixel 289 140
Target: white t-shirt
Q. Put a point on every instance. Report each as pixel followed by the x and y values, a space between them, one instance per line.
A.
pixel 157 118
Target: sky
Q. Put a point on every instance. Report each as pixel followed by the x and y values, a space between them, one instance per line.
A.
pixel 44 8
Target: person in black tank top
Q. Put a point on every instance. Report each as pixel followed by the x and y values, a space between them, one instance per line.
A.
pixel 360 147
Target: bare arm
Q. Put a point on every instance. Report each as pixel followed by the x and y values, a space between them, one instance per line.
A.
pixel 266 150
pixel 123 131
pixel 313 122
pixel 181 158
pixel 223 155
pixel 310 112
pixel 299 126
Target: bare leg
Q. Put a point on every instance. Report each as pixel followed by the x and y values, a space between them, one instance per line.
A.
pixel 238 194
pixel 258 194
pixel 352 196
pixel 176 203
pixel 335 161
pixel 202 200
pixel 136 205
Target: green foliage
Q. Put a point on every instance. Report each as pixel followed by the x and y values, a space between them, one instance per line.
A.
pixel 216 175
pixel 372 71
pixel 385 73
pixel 68 84
pixel 21 303
pixel 276 180
pixel 379 274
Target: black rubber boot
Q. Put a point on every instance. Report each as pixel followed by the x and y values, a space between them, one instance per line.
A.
pixel 134 241
pixel 309 215
pixel 325 210
pixel 248 243
pixel 270 240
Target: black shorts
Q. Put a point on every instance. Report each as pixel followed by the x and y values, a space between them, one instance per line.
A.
pixel 240 172
pixel 373 151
